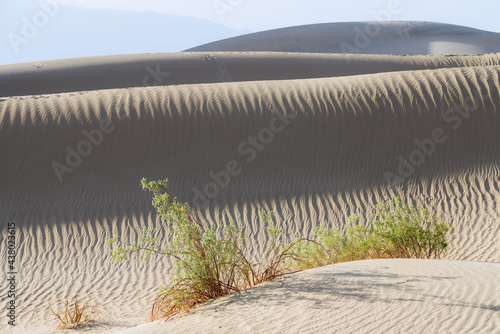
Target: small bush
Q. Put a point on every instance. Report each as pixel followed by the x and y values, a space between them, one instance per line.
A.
pixel 206 266
pixel 398 231
pixel 323 250
pixel 77 315
pixel 331 246
pixel 409 231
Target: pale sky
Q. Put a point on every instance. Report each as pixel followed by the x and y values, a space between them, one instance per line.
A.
pixel 257 15
pixel 35 30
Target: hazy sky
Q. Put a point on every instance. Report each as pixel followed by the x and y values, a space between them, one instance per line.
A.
pixel 267 14
pixel 33 30
pixel 259 15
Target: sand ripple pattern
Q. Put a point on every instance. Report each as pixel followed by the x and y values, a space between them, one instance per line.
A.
pixel 340 137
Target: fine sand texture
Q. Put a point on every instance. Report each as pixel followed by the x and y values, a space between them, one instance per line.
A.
pixel 378 37
pixel 107 72
pixel 372 296
pixel 313 137
pixel 325 149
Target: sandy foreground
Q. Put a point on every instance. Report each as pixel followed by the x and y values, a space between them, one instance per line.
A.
pixel 373 296
pixel 334 134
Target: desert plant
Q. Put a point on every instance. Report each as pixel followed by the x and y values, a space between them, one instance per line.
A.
pixel 320 251
pixel 183 294
pixel 409 231
pixel 359 243
pixel 329 246
pixel 206 266
pixel 78 315
pixel 399 231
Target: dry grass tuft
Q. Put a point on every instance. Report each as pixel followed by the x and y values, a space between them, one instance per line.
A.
pixel 177 301
pixel 78 315
pixel 182 297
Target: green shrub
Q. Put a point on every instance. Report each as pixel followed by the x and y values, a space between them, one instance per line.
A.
pixel 331 246
pixel 399 231
pixel 323 250
pixel 409 231
pixel 206 266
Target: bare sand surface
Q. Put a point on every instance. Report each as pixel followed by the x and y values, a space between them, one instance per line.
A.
pixel 313 150
pixel 372 296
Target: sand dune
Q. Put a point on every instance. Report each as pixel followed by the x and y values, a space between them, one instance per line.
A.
pixel 379 37
pixel 327 148
pixel 376 296
pixel 86 74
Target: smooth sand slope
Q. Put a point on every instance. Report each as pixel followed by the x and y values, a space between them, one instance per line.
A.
pixel 323 152
pixel 378 37
pixel 375 296
pixel 86 74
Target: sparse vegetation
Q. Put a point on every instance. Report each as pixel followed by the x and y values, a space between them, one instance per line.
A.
pixel 409 231
pixel 208 265
pixel 77 315
pixel 399 231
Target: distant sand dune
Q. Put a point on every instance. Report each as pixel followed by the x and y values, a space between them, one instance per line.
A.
pixel 380 37
pixel 84 74
pixel 325 155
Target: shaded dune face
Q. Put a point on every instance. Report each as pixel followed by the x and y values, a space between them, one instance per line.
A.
pixel 96 73
pixel 323 149
pixel 314 151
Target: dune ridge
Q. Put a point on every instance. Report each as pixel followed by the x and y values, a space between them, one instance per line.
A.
pixel 95 73
pixel 338 139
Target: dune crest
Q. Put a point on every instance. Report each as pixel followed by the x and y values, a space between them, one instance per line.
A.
pixel 95 73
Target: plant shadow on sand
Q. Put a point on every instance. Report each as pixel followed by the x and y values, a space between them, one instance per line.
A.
pixel 318 287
